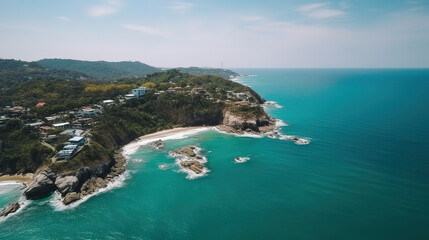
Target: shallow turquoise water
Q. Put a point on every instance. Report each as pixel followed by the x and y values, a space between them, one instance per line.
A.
pixel 363 176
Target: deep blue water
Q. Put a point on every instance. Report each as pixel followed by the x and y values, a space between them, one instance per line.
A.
pixel 365 174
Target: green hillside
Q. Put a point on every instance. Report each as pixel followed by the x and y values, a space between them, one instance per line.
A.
pixel 101 69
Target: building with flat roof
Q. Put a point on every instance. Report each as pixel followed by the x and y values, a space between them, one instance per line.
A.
pixel 139 92
pixel 79 141
pixel 63 125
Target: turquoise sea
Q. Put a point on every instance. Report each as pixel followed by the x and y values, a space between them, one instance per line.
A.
pixel 364 175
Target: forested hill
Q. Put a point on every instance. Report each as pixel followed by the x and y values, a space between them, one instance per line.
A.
pixel 223 73
pixel 14 72
pixel 101 69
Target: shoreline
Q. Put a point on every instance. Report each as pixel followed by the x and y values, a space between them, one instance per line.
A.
pixel 168 134
pixel 19 178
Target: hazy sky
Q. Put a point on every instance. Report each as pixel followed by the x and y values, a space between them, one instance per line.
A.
pixel 242 33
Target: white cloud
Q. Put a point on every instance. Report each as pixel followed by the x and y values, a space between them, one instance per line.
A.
pixel 110 7
pixel 144 29
pixel 311 7
pixel 181 6
pixel 63 18
pixel 251 18
pixel 320 11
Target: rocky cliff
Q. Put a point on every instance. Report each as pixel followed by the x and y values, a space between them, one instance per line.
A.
pixel 72 187
pixel 236 122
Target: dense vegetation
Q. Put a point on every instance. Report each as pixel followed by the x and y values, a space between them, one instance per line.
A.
pixel 13 72
pixel 61 95
pixel 223 73
pixel 101 69
pixel 20 148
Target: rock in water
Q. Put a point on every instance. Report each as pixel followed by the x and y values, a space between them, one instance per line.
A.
pixel 71 197
pixel 11 208
pixel 159 144
pixel 66 184
pixel 193 165
pixel 41 186
pixel 187 151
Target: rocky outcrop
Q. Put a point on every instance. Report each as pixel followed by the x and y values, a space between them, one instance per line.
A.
pixel 66 184
pixel 74 186
pixel 92 185
pixel 42 185
pixel 188 151
pixel 71 197
pixel 236 123
pixel 189 158
pixel 193 165
pixel 158 144
pixel 11 208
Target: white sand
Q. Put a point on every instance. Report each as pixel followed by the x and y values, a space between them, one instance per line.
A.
pixel 175 133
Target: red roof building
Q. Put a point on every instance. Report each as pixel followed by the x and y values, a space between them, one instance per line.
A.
pixel 41 104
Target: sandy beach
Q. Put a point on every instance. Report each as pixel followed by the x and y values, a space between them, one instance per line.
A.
pixel 17 177
pixel 175 133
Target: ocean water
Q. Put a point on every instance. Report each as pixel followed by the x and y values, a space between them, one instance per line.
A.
pixel 364 175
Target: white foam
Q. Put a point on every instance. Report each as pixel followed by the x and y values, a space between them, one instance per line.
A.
pixel 241 159
pixel 297 140
pixel 164 166
pixel 8 183
pixel 272 104
pixel 281 123
pixel 9 186
pixel 57 202
pixel 245 134
pixel 134 146
pixel 23 203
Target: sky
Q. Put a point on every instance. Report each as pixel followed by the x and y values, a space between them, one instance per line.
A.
pixel 228 33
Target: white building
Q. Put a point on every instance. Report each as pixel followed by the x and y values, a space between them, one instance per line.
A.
pixel 63 125
pixel 139 92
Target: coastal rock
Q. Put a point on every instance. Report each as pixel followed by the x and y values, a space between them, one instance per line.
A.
pixel 188 151
pixel 67 184
pixel 193 165
pixel 189 158
pixel 234 123
pixel 71 197
pixel 11 208
pixel 93 185
pixel 159 144
pixel 41 186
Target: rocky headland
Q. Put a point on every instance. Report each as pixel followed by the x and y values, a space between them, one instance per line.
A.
pixel 239 123
pixel 73 187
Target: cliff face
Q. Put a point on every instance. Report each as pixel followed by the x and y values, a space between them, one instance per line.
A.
pixel 72 187
pixel 239 123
